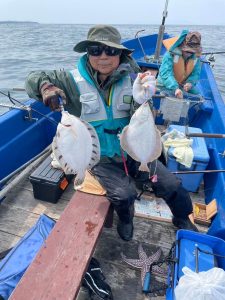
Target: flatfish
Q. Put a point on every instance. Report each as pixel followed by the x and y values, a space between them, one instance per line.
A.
pixel 76 146
pixel 141 139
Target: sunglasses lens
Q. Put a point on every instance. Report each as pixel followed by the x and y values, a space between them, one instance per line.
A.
pixel 98 50
pixel 95 50
pixel 110 51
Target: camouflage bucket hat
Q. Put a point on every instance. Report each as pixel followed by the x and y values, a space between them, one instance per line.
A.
pixel 102 34
pixel 192 43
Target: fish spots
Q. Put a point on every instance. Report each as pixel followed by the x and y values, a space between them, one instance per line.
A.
pixel 94 145
pixel 90 227
pixel 60 156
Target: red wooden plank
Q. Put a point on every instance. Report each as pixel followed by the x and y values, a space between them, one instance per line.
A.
pixel 58 268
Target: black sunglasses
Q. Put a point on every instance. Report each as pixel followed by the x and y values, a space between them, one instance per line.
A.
pixel 97 50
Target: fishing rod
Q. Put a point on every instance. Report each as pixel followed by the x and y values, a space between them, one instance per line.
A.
pixel 213 52
pixel 25 107
pixel 161 32
pixel 203 134
pixel 198 172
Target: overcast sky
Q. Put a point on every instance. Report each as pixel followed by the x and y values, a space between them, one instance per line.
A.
pixel 196 12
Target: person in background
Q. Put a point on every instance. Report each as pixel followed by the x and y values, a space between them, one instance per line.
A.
pixel 99 91
pixel 181 66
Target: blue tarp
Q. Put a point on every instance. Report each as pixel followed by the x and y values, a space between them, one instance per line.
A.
pixel 15 263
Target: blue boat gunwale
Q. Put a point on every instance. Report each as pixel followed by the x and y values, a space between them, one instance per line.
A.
pixel 22 139
pixel 210 120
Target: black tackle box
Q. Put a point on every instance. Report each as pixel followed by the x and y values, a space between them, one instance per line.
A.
pixel 48 182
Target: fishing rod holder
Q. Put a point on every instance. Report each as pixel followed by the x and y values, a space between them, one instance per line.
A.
pixel 22 107
pixel 146 57
pixel 29 112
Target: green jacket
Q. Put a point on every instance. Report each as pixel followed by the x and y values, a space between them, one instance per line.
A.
pixel 110 145
pixel 63 80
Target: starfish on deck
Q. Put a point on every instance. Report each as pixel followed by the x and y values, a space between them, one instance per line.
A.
pixel 144 262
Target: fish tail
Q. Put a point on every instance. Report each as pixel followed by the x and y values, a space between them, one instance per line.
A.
pixel 144 167
pixel 78 180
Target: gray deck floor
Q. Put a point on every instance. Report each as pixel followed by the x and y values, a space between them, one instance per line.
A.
pixel 19 211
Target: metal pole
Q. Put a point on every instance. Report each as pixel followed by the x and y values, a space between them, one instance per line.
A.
pixel 213 52
pixel 14 106
pixel 207 135
pixel 161 33
pixel 142 49
pixel 198 172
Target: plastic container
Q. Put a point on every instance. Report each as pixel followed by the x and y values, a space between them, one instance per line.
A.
pixel 185 255
pixel 48 182
pixel 190 182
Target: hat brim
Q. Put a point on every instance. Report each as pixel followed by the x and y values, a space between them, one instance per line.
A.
pixel 81 47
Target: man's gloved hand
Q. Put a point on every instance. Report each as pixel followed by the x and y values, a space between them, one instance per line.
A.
pixel 51 94
pixel 179 94
pixel 187 86
pixel 144 87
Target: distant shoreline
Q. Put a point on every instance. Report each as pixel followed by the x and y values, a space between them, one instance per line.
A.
pixel 20 22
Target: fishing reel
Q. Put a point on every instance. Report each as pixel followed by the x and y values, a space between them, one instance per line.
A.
pixel 211 58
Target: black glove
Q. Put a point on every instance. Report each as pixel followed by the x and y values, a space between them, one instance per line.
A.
pixel 51 94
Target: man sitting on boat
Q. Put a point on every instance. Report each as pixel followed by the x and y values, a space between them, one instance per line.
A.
pixel 181 66
pixel 100 92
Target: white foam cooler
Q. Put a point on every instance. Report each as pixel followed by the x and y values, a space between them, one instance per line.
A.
pixel 190 182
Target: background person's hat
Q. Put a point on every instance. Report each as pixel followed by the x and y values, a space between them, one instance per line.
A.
pixel 192 43
pixel 103 34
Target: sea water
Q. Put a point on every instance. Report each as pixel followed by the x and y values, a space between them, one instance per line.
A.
pixel 32 46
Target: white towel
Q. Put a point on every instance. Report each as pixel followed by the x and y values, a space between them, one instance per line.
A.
pixel 182 147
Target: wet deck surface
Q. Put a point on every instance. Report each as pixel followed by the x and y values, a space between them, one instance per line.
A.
pixel 19 211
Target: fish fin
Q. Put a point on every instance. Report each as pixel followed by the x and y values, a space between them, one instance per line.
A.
pixel 144 167
pixel 95 156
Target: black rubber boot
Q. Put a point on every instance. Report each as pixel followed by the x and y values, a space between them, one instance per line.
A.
pixel 125 230
pixel 184 223
pixel 125 225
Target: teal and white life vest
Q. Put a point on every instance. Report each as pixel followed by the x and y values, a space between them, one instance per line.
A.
pixel 108 120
